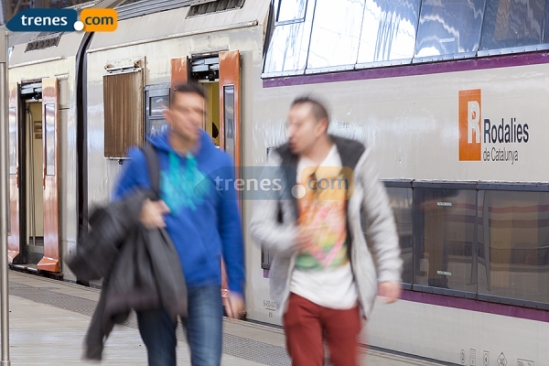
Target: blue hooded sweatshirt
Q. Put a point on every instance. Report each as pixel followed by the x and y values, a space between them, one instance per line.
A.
pixel 204 220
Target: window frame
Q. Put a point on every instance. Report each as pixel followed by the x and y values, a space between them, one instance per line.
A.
pixel 413 61
pixel 292 21
pixel 394 62
pixel 307 25
pixel 449 56
pixel 480 188
pixel 115 149
pixel 151 91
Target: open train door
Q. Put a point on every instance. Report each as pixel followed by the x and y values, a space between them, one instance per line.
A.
pixel 14 244
pixel 229 114
pixel 229 100
pixel 181 71
pixel 50 179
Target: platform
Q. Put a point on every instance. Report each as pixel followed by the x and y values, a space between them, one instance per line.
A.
pixel 49 318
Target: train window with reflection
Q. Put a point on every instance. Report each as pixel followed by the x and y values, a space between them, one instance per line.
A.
pixel 514 23
pixel 513 241
pixel 157 98
pixel 287 52
pixel 400 200
pixel 444 233
pixel 449 28
pixel 49 139
pixel 291 10
pixel 158 104
pixel 335 33
pixel 388 30
pixel 228 116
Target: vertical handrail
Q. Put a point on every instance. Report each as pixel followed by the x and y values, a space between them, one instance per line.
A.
pixel 4 143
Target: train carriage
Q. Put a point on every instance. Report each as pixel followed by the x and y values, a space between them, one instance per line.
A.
pixel 43 150
pixel 451 96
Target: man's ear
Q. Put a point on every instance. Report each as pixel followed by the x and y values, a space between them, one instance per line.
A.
pixel 323 125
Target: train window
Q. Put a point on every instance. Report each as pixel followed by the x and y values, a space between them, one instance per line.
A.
pixel 157 98
pixel 201 7
pixel 401 201
pixel 444 237
pixel 514 23
pixel 388 30
pixel 449 28
pixel 287 52
pixel 49 139
pixel 12 126
pixel 123 101
pixel 229 106
pixel 513 241
pixel 157 105
pixel 291 10
pixel 334 37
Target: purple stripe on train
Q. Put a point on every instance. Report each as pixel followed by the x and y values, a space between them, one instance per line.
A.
pixel 469 304
pixel 475 305
pixel 411 70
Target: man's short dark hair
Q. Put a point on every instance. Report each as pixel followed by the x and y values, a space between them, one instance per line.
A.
pixel 190 87
pixel 319 109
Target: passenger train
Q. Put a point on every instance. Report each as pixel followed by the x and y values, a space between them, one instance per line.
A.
pixel 452 96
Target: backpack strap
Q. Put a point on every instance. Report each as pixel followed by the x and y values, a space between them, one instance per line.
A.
pixel 154 168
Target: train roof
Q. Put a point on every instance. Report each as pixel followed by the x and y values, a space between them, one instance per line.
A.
pixel 132 9
pixel 126 10
pixel 201 17
pixel 48 45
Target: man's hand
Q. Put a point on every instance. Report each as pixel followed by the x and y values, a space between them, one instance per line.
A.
pixel 235 307
pixel 151 214
pixel 390 291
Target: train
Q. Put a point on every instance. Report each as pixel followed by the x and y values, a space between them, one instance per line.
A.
pixel 451 97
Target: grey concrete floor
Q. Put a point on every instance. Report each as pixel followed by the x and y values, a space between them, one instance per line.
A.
pixel 52 332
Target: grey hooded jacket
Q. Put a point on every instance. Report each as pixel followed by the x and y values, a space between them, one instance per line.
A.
pixel 373 244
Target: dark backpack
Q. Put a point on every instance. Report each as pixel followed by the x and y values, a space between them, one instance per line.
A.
pixel 153 167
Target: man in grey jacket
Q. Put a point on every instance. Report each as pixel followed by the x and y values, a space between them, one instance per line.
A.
pixel 334 238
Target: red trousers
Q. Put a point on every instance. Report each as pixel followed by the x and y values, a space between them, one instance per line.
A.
pixel 304 325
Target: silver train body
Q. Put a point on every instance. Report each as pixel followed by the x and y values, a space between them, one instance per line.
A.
pixel 409 115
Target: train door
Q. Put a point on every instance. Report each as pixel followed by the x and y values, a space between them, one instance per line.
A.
pixel 229 100
pixel 33 244
pixel 34 199
pixel 219 74
pixel 13 213
pixel 50 177
pixel 25 115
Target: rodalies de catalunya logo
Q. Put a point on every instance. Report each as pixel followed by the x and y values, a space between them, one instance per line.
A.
pixel 483 139
pixel 64 20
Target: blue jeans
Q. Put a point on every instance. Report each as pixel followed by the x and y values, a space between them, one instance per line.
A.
pixel 204 326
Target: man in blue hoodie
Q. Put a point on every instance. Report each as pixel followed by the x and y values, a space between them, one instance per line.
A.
pixel 203 223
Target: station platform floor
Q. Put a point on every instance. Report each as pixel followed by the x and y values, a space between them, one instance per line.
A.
pixel 49 318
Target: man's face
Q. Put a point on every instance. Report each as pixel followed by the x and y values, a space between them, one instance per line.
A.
pixel 303 128
pixel 186 115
